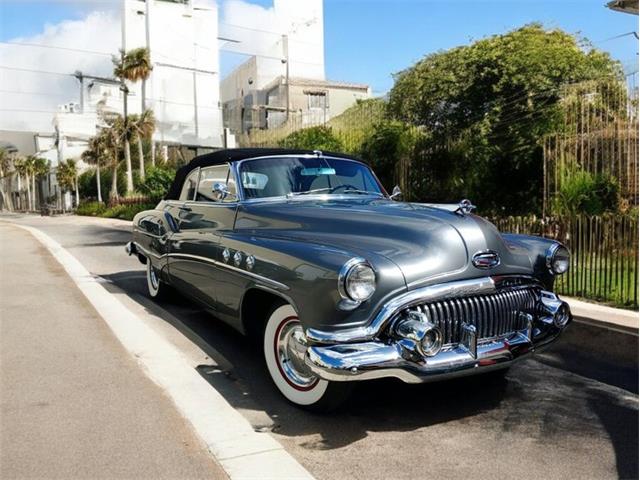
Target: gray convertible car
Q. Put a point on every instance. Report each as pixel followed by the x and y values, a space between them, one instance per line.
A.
pixel 342 282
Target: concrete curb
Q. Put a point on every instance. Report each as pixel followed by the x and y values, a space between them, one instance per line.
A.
pixel 616 319
pixel 242 452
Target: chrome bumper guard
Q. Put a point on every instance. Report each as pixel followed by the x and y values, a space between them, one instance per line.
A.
pixel 402 358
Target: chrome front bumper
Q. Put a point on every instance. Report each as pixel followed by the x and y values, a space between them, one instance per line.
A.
pixel 370 360
pixel 385 356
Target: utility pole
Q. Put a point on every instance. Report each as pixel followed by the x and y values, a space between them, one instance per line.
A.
pixel 80 77
pixel 285 60
pixel 147 27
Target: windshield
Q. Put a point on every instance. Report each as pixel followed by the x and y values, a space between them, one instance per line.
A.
pixel 280 176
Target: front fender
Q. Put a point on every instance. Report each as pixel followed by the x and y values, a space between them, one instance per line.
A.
pixel 309 271
pixel 537 249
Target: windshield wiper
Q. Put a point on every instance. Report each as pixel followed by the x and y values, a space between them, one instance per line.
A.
pixel 365 192
pixel 333 189
pixel 308 192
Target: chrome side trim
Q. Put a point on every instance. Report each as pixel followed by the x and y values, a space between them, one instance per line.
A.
pixel 146 252
pixel 460 288
pixel 255 276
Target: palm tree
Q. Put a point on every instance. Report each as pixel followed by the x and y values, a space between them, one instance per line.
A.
pixel 144 125
pixel 67 177
pixel 28 169
pixel 94 156
pixel 110 143
pixel 5 179
pixel 40 169
pixel 132 66
pixel 21 167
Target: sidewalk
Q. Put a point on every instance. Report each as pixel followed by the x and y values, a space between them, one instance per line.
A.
pixel 73 403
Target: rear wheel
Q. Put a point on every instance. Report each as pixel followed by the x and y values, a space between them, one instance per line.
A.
pixel 156 288
pixel 284 353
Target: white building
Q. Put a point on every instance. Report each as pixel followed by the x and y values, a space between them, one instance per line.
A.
pixel 183 90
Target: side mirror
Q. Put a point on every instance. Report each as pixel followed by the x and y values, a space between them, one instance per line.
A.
pixel 396 193
pixel 221 192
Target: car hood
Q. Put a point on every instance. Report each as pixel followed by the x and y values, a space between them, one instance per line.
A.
pixel 427 243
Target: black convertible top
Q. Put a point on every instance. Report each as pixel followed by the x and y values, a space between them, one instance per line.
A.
pixel 233 155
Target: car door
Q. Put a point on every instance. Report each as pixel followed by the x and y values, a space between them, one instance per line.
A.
pixel 202 216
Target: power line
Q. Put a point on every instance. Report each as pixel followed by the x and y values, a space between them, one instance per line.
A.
pixel 44 94
pixel 36 71
pixel 57 47
pixel 26 110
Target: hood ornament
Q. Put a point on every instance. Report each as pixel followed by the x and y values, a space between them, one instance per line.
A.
pixel 486 260
pixel 465 207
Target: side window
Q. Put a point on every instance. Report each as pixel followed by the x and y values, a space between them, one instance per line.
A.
pixel 209 177
pixel 189 187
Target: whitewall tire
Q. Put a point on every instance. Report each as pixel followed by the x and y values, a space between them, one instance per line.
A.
pixel 284 352
pixel 154 285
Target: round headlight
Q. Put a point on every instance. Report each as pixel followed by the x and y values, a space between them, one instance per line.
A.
pixel 558 259
pixel 359 282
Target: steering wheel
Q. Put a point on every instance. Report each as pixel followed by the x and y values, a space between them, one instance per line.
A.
pixel 345 186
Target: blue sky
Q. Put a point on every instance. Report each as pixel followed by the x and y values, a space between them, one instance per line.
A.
pixel 368 40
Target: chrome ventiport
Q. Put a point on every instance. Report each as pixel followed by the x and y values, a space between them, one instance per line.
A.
pixel 416 327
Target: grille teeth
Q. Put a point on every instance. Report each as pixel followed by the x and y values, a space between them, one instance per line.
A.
pixel 493 315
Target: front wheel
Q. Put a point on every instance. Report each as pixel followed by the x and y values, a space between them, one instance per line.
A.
pixel 284 353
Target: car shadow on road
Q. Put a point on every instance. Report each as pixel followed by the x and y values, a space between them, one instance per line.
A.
pixel 535 400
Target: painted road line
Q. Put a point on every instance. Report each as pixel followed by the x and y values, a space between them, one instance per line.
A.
pixel 242 452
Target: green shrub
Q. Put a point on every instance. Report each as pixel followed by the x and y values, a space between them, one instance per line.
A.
pixel 313 138
pixel 157 181
pixel 588 194
pixel 385 145
pixel 126 212
pixel 87 183
pixel 90 209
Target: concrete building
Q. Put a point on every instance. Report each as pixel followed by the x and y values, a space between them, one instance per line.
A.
pixel 284 76
pixel 311 102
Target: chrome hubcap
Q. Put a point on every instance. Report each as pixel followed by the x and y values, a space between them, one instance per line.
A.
pixel 291 348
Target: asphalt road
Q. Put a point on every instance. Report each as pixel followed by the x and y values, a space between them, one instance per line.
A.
pixel 564 414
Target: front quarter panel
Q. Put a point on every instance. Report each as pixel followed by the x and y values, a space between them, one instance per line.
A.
pixel 308 274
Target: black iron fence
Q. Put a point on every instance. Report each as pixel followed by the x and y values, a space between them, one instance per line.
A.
pixel 604 254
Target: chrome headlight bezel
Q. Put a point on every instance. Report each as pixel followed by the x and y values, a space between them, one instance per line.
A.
pixel 557 252
pixel 355 266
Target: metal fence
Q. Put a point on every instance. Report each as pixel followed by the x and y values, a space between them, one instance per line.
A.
pixel 604 260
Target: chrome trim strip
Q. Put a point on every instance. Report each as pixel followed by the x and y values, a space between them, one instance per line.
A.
pixel 148 252
pixel 272 283
pixel 460 288
pixel 152 235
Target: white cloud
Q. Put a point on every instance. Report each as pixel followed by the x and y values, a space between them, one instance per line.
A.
pixel 98 31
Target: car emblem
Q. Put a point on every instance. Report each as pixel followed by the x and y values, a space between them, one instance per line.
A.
pixel 486 260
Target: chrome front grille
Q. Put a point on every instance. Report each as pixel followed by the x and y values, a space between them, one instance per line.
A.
pixel 492 315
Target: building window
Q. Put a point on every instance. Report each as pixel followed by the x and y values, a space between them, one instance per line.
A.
pixel 317 100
